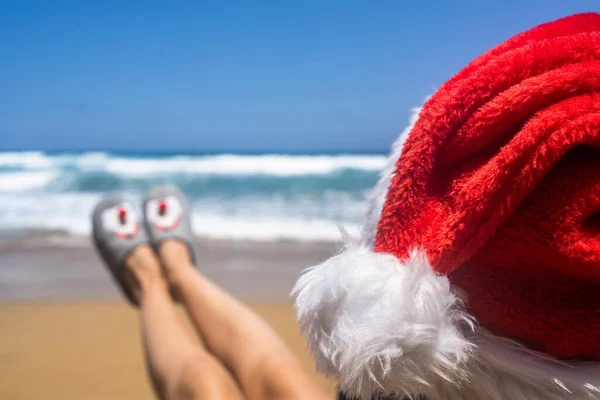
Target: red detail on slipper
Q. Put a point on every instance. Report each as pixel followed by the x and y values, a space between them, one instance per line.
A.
pixel 122 212
pixel 162 208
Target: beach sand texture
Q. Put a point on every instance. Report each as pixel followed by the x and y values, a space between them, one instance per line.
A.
pixel 66 335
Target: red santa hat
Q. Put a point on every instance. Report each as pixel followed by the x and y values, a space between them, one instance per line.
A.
pixel 478 272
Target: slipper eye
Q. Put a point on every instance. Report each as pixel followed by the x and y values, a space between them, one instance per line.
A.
pixel 123 216
pixel 164 213
pixel 121 220
pixel 162 208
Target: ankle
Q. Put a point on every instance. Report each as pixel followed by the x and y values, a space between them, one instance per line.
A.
pixel 175 258
pixel 148 280
pixel 143 272
pixel 179 281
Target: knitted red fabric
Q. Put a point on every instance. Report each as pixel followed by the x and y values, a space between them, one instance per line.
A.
pixel 499 181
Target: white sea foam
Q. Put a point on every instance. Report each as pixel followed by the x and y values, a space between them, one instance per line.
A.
pixel 26 181
pixel 35 160
pixel 268 229
pixel 28 159
pixel 228 164
pixel 68 212
pixel 224 164
pixel 91 160
pixel 245 219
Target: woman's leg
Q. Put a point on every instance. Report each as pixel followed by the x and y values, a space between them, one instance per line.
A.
pixel 261 363
pixel 179 367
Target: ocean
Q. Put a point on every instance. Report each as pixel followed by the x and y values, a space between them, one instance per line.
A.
pixel 261 197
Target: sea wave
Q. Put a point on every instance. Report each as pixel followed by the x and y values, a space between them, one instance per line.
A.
pixel 26 181
pixel 265 219
pixel 26 159
pixel 228 164
pixel 221 164
pixel 250 197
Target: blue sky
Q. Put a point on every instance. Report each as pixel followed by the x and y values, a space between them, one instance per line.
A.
pixel 237 76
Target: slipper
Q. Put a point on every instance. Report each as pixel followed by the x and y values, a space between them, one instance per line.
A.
pixel 117 231
pixel 167 216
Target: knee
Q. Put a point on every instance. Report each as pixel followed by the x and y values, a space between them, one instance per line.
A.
pixel 278 364
pixel 195 380
pixel 280 375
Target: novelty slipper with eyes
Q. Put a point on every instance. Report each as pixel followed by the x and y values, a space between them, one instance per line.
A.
pixel 167 216
pixel 117 231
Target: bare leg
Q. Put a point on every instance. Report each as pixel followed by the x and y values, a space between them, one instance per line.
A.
pixel 179 367
pixel 261 363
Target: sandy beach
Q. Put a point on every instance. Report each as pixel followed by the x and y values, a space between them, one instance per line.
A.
pixel 65 333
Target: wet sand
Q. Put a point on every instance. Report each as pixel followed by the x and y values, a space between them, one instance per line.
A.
pixel 65 333
pixel 67 268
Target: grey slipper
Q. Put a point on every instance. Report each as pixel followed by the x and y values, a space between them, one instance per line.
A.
pixel 117 230
pixel 167 216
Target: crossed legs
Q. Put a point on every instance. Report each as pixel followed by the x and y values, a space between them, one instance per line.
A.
pixel 243 357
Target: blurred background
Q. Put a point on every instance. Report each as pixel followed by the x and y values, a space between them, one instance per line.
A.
pixel 274 118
